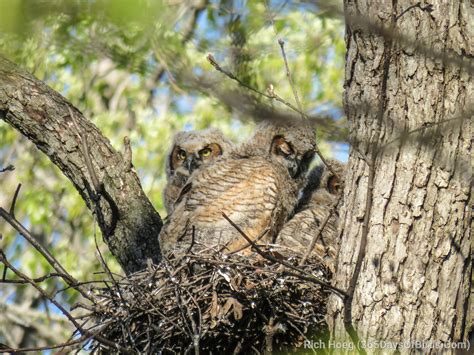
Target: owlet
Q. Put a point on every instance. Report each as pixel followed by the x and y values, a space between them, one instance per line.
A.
pixel 191 151
pixel 256 186
pixel 319 195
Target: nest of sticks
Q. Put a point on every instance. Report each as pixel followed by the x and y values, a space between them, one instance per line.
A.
pixel 214 303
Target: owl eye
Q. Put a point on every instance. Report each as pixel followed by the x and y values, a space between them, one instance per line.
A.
pixel 181 154
pixel 204 153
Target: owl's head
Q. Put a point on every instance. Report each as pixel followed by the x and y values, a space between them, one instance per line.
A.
pixel 288 143
pixel 321 181
pixel 191 150
pixel 330 182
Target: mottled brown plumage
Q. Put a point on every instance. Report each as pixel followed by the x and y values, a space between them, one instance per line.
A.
pixel 256 185
pixel 321 192
pixel 191 151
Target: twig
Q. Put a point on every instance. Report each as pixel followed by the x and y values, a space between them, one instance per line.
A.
pixel 43 348
pixel 37 280
pixel 99 338
pixel 7 168
pixel 300 106
pixel 69 279
pixel 107 270
pixel 265 231
pixel 281 42
pixel 270 95
pixel 15 196
pixel 319 232
pixel 196 330
pixel 309 277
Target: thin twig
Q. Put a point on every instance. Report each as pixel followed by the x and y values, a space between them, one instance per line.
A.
pixel 69 279
pixel 44 348
pixel 319 232
pixel 300 106
pixel 15 196
pixel 281 42
pixel 309 276
pixel 37 280
pixel 107 270
pixel 7 168
pixel 270 92
pixel 99 338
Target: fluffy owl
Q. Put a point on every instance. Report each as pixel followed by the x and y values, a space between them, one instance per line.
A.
pixel 256 186
pixel 320 193
pixel 191 151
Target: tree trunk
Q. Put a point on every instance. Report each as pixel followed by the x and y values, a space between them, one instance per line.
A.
pixel 404 79
pixel 128 221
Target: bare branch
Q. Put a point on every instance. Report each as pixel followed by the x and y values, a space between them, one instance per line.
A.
pixel 7 168
pixel 15 196
pixel 99 338
pixel 70 280
pixel 130 223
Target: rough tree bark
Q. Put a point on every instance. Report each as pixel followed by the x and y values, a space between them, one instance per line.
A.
pixel 415 273
pixel 43 116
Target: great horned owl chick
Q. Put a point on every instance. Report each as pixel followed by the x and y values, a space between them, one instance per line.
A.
pixel 318 196
pixel 190 151
pixel 256 186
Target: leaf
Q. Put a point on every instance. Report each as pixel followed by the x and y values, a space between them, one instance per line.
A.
pixel 236 307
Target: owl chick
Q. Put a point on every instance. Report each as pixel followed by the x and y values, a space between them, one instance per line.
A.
pixel 191 151
pixel 256 186
pixel 318 196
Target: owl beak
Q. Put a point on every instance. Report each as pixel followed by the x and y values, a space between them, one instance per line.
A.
pixel 191 163
pixel 293 168
pixel 299 167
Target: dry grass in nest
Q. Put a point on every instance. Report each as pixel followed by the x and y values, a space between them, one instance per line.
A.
pixel 213 303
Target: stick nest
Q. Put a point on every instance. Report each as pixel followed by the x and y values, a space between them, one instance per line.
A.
pixel 214 303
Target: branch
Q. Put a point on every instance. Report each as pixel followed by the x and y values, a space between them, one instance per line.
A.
pixel 97 337
pixel 69 279
pixel 7 168
pixel 273 96
pixel 44 117
pixel 43 348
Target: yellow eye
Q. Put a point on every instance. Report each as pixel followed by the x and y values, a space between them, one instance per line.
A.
pixel 205 152
pixel 181 154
